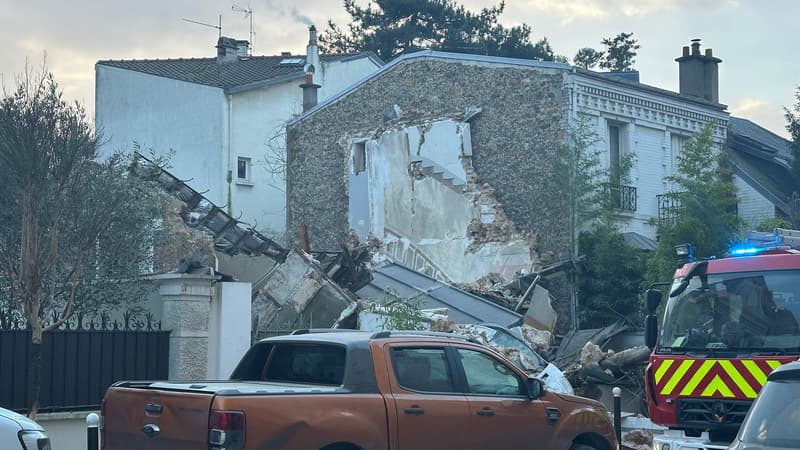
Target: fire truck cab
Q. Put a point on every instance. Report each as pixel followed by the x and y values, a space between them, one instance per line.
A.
pixel 727 324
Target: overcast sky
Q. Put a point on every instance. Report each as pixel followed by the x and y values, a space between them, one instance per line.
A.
pixel 756 39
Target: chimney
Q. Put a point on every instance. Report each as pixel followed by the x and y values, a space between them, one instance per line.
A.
pixel 311 67
pixel 309 92
pixel 231 50
pixel 312 52
pixel 698 73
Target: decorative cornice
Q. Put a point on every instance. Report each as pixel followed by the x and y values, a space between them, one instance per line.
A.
pixel 664 113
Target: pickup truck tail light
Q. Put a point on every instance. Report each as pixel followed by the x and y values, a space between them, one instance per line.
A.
pixel 226 430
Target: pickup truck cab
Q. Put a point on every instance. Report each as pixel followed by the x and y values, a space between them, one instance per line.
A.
pixel 357 390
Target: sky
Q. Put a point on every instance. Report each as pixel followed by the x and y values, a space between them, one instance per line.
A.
pixel 756 39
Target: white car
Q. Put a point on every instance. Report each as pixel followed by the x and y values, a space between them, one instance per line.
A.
pixel 16 428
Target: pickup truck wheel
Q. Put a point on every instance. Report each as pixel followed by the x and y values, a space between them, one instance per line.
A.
pixel 581 447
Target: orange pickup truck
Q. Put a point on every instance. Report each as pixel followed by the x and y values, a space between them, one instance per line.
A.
pixel 356 390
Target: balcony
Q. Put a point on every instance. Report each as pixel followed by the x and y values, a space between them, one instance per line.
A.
pixel 667 208
pixel 622 197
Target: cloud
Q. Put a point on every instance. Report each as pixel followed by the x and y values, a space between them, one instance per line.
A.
pixel 569 10
pixel 764 113
pixel 749 106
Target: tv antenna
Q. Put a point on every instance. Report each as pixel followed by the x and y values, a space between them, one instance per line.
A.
pixel 248 13
pixel 218 27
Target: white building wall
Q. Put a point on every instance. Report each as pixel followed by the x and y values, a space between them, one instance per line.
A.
pixel 257 132
pixel 753 207
pixel 164 114
pixel 651 123
pixel 209 130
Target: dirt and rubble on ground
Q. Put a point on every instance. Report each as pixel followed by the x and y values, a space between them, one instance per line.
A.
pixel 638 439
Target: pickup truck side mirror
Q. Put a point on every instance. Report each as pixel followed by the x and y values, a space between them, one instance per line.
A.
pixel 535 388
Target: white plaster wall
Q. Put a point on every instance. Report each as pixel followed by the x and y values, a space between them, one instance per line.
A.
pixel 229 328
pixel 432 217
pixel 753 207
pixel 164 114
pixel 193 120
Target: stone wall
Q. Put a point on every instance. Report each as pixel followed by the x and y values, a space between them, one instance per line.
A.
pixel 514 138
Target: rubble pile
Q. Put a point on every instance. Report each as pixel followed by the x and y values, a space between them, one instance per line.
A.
pixel 638 440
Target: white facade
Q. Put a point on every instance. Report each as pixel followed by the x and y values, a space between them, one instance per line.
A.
pixel 652 126
pixel 752 207
pixel 211 132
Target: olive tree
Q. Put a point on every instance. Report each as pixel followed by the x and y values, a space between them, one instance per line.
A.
pixel 75 231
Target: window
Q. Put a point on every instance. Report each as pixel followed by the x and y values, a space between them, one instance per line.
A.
pixel 359 157
pixel 306 363
pixel 422 369
pixel 243 169
pixel 488 376
pixel 614 152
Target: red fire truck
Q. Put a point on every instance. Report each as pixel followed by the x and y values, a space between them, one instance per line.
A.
pixel 727 324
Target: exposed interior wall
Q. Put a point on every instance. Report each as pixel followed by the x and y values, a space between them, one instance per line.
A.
pixel 413 187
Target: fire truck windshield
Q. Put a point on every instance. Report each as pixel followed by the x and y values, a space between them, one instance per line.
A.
pixel 745 312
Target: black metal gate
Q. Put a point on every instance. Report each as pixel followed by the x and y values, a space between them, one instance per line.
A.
pixel 80 361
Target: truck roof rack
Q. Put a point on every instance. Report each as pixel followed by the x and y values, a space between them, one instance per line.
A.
pixel 388 334
pixel 321 330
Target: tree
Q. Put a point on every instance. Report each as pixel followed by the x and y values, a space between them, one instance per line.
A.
pixel 73 230
pixel 391 28
pixel 620 52
pixel 705 215
pixel 587 58
pixel 591 201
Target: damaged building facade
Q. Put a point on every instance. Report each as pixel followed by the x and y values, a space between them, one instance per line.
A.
pixel 447 159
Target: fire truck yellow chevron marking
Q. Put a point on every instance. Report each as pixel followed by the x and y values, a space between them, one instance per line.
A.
pixel 755 371
pixel 677 376
pixel 774 364
pixel 717 385
pixel 737 378
pixel 662 369
pixel 698 377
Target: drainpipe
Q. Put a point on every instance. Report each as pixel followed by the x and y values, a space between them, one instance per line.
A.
pixel 229 175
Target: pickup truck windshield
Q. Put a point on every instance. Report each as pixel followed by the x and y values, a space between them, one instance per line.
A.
pixel 753 312
pixel 773 420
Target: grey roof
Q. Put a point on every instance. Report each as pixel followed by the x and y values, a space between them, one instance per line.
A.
pixel 760 158
pixel 639 241
pixel 246 73
pixel 760 137
pixel 624 79
pixel 397 280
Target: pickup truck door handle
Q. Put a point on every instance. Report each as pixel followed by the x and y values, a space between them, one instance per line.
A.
pixel 486 412
pixel 415 410
pixel 151 430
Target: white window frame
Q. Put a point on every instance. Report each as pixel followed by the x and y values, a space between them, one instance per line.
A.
pixel 248 179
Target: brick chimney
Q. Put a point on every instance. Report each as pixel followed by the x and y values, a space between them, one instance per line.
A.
pixel 699 74
pixel 309 92
pixel 231 50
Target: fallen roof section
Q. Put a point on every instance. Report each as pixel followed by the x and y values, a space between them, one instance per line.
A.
pixel 397 281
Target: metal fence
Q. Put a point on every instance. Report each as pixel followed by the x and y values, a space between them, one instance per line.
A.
pixel 80 362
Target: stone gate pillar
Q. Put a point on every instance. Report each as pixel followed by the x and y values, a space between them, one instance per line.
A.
pixel 187 302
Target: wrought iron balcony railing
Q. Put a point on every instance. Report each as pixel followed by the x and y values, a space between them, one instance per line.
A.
pixel 667 208
pixel 622 197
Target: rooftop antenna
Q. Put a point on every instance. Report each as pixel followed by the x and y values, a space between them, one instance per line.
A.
pixel 218 27
pixel 248 12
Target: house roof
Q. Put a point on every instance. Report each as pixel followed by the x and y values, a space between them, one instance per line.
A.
pixel 760 158
pixel 639 241
pixel 624 79
pixel 246 73
pixel 398 281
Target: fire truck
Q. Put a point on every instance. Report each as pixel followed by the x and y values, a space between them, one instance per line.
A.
pixel 727 324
